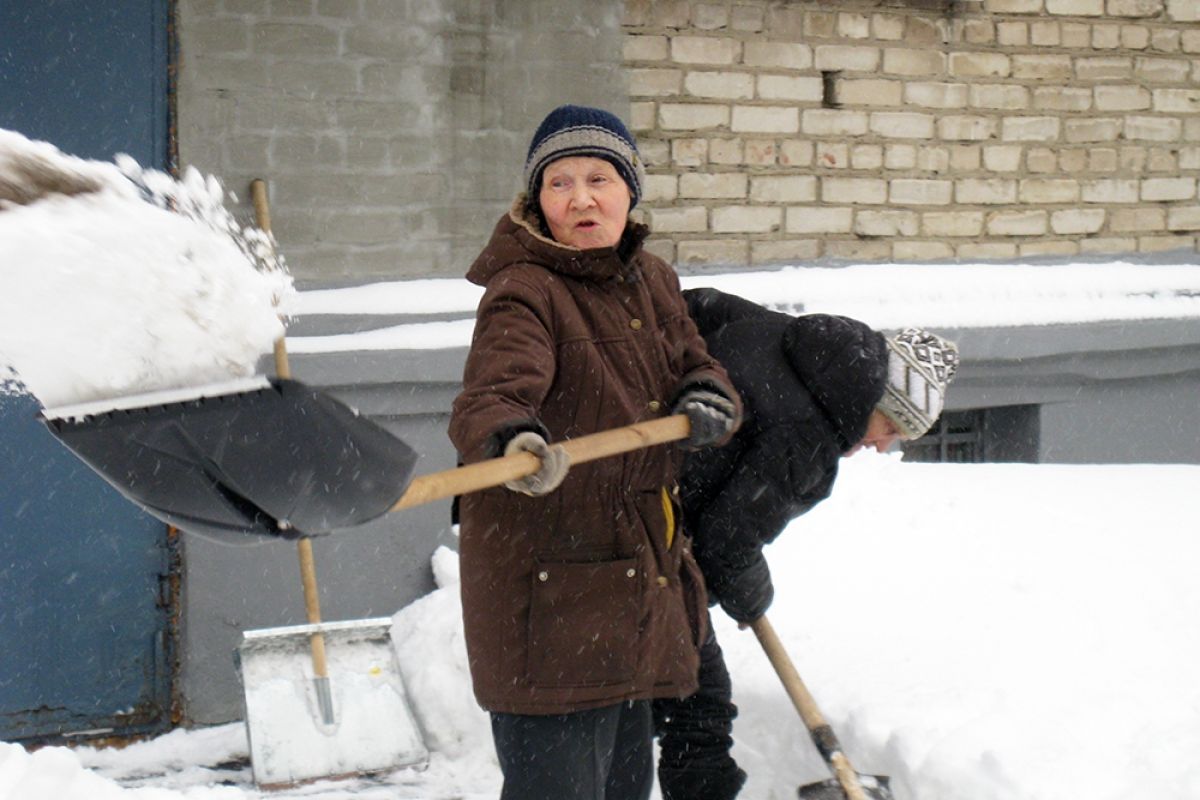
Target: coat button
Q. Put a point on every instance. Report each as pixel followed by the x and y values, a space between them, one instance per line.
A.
pixel 636 324
pixel 543 576
pixel 631 573
pixel 662 580
pixel 654 405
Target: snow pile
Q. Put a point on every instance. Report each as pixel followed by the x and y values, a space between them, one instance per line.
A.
pixel 145 763
pixel 117 280
pixel 432 653
pixel 56 773
pixel 991 631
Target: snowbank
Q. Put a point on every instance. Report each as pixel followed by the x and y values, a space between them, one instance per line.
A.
pixel 991 632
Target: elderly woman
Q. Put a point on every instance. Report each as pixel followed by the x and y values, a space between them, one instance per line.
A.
pixel 581 599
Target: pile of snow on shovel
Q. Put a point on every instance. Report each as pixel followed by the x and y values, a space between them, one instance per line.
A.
pixel 118 280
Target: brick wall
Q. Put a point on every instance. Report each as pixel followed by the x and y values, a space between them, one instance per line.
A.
pixel 392 133
pixel 894 130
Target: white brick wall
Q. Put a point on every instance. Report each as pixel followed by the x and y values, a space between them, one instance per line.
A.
pixel 825 219
pixel 1077 221
pixel 1004 129
pixel 765 119
pixel 721 185
pixel 783 189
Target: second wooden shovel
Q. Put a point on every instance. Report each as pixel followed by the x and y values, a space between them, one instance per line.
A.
pixel 846 783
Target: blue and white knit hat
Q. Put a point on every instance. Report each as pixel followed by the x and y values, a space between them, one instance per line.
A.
pixel 920 367
pixel 582 131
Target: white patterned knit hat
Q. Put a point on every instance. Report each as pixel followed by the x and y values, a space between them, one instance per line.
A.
pixel 920 367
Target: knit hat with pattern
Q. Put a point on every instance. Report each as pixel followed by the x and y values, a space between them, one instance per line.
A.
pixel 920 367
pixel 582 131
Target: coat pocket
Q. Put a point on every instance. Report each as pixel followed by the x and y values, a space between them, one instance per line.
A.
pixel 583 623
pixel 695 596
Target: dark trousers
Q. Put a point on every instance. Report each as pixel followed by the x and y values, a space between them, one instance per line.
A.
pixel 602 754
pixel 695 735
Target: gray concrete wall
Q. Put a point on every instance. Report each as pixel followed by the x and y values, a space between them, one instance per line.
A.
pixel 391 134
pixel 1114 392
pixel 1126 421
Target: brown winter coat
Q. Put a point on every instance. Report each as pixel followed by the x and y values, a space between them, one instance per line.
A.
pixel 573 600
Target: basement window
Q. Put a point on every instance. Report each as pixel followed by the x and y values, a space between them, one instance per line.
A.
pixel 1006 434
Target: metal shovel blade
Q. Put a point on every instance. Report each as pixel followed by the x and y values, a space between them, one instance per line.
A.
pixel 280 460
pixel 874 786
pixel 290 741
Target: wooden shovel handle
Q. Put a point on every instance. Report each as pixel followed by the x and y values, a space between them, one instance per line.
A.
pixel 262 208
pixel 496 471
pixel 818 728
pixel 304 550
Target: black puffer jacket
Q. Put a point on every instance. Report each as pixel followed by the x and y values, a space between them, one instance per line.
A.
pixel 808 385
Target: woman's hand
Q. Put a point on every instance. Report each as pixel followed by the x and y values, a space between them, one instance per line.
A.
pixel 555 463
pixel 745 595
pixel 711 415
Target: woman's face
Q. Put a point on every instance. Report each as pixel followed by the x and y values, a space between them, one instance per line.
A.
pixel 585 202
pixel 881 434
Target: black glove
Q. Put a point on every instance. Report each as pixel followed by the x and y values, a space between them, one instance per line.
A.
pixel 746 594
pixel 555 463
pixel 712 416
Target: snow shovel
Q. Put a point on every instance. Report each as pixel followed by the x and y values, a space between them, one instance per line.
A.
pixel 241 461
pixel 374 719
pixel 245 460
pixel 276 459
pixel 281 699
pixel 846 783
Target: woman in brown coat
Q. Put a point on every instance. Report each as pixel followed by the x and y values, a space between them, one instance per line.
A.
pixel 581 599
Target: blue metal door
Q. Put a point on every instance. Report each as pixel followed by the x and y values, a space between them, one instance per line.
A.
pixel 85 577
pixel 90 76
pixel 84 594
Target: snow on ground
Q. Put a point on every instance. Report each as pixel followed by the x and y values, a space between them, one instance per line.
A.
pixel 977 632
pixel 104 291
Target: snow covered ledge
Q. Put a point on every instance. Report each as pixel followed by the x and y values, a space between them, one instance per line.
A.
pixel 1108 352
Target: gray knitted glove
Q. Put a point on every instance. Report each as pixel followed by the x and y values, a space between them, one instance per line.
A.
pixel 711 416
pixel 555 463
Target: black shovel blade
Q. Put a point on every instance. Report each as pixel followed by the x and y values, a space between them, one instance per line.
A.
pixel 281 461
pixel 874 786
